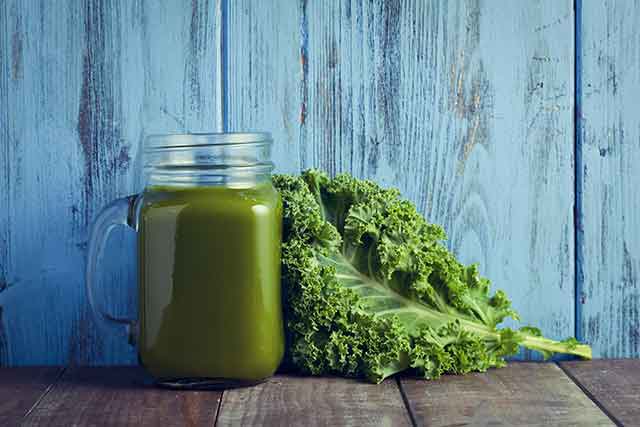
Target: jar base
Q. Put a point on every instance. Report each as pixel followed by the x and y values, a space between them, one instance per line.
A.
pixel 205 383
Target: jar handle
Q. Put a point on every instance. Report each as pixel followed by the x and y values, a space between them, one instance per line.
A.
pixel 123 211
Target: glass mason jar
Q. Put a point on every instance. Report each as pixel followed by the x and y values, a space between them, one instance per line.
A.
pixel 209 235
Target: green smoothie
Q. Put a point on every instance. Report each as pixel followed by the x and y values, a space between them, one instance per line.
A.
pixel 209 286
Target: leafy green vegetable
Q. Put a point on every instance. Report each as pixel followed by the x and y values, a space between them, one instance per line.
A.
pixel 370 290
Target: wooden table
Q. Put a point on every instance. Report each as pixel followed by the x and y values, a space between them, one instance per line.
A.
pixel 601 393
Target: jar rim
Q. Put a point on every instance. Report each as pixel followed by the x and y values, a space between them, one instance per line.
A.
pixel 175 140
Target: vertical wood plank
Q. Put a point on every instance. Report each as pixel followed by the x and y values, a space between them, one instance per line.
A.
pixel 610 125
pixel 265 69
pixel 464 106
pixel 467 108
pixel 120 396
pixel 85 82
pixel 5 170
pixel 44 48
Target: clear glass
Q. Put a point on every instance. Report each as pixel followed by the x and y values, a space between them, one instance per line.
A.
pixel 209 236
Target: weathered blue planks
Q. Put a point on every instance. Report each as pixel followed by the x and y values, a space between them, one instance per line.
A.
pixel 265 68
pixel 465 106
pixel 5 170
pixel 610 176
pixel 81 84
pixel 42 216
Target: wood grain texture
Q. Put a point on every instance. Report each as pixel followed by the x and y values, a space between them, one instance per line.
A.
pixel 290 400
pixel 465 106
pixel 20 389
pixel 265 69
pixel 44 174
pixel 84 82
pixel 522 394
pixel 120 397
pixel 610 175
pixel 5 171
pixel 614 384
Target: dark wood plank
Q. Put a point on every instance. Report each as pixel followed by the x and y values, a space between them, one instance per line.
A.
pixel 613 384
pixel 291 400
pixel 20 389
pixel 121 396
pixel 265 85
pixel 531 394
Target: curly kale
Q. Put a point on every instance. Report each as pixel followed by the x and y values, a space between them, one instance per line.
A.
pixel 370 290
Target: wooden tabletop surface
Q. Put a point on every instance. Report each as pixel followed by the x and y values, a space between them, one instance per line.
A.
pixel 601 392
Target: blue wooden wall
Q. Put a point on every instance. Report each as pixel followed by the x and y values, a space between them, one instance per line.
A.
pixel 513 124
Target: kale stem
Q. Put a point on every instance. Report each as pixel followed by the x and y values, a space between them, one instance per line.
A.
pixel 545 344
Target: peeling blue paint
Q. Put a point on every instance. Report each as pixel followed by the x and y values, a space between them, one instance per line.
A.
pixel 488 115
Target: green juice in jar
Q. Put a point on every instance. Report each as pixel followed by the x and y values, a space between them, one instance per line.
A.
pixel 209 282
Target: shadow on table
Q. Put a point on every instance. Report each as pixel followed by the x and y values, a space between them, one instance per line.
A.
pixel 116 377
pixel 136 378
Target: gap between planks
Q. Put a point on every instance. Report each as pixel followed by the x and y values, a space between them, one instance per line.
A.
pixel 590 395
pixel 289 397
pixel 45 392
pixel 21 389
pixel 120 396
pixel 531 394
pixel 407 403
pixel 515 395
pixel 613 384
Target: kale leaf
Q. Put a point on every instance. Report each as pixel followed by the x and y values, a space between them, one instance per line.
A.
pixel 370 290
